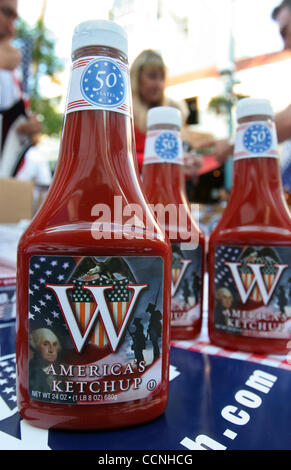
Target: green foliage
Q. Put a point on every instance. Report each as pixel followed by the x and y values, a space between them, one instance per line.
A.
pixel 52 119
pixel 221 103
pixel 43 62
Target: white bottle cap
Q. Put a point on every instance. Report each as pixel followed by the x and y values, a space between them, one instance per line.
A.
pixel 254 106
pixel 100 33
pixel 164 115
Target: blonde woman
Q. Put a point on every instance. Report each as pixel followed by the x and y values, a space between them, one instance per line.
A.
pixel 148 75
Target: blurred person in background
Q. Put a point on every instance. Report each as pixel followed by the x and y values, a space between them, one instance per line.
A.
pixel 282 15
pixel 148 76
pixel 18 125
pixel 35 169
pixel 223 148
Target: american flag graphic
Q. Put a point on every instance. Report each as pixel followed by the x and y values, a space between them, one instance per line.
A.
pixel 223 277
pixel 269 272
pixel 44 311
pixel 83 304
pixel 8 380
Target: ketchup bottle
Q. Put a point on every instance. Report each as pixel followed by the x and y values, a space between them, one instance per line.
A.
pixel 94 294
pixel 249 251
pixel 164 185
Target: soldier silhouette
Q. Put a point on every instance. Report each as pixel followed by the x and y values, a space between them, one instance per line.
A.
pixel 196 285
pixel 154 329
pixel 139 340
pixel 186 291
pixel 282 299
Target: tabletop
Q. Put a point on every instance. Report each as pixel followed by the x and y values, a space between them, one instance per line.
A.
pixel 218 399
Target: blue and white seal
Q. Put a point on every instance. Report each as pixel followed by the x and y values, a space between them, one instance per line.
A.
pixel 257 138
pixel 166 146
pixel 103 83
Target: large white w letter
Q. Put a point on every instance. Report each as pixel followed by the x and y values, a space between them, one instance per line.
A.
pixel 101 308
pixel 175 285
pixel 258 279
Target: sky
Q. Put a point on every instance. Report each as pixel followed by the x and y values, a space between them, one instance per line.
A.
pixel 255 32
pixel 61 17
pixel 254 29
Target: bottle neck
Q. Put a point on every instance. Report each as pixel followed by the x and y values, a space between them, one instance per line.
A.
pixel 97 160
pixel 163 170
pixel 164 183
pixel 256 196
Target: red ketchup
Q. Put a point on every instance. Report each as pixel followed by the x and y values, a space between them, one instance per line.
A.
pixel 249 251
pixel 93 281
pixel 164 185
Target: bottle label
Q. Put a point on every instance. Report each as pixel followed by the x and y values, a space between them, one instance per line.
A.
pixel 95 328
pixel 252 291
pixel 163 146
pixel 99 82
pixel 256 139
pixel 186 285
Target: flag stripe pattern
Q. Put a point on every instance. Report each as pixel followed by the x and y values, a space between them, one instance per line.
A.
pixel 175 274
pixel 44 311
pixel 117 299
pixel 7 380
